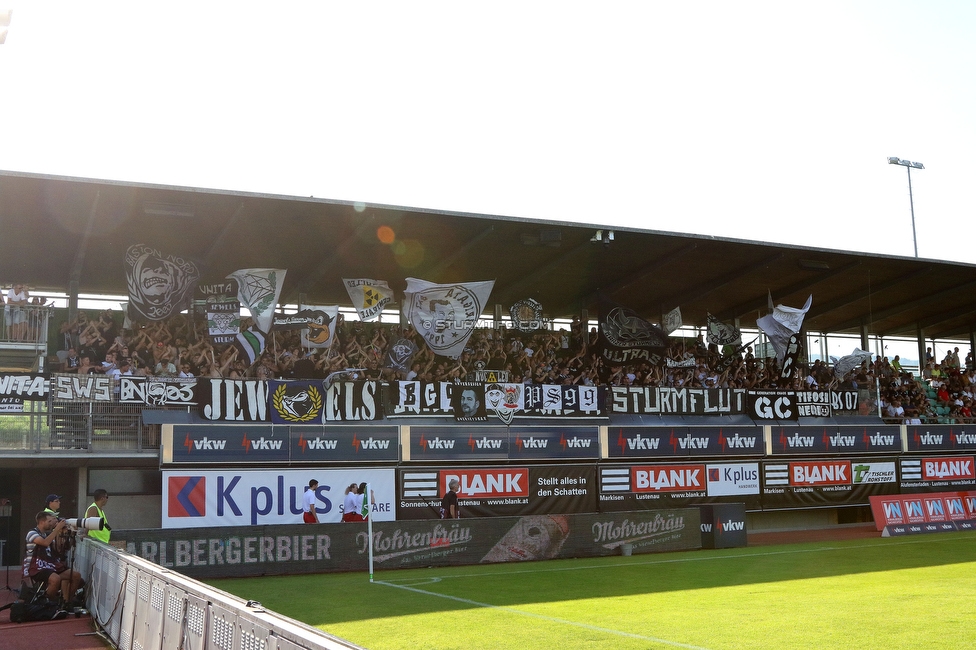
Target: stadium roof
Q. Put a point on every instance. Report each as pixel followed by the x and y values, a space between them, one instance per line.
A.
pixel 54 230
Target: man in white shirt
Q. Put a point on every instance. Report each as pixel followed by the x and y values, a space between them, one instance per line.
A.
pixel 309 516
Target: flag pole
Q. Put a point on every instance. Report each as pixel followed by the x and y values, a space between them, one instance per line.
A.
pixel 369 529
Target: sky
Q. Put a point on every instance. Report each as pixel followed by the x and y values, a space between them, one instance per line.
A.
pixel 764 121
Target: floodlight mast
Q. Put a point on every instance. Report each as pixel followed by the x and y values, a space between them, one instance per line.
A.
pixel 907 164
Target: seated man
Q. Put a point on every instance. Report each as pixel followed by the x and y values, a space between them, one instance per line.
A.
pixel 43 564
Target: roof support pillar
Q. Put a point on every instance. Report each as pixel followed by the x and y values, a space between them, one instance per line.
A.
pixel 920 340
pixel 865 339
pixel 972 347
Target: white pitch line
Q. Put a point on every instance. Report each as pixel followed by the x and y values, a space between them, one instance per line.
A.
pixel 711 558
pixel 551 619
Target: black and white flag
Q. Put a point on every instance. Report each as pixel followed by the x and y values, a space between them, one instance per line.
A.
pixel 223 311
pixel 781 324
pixel 527 315
pixel 721 333
pixel 160 285
pixel 399 356
pixel 445 315
pixel 626 337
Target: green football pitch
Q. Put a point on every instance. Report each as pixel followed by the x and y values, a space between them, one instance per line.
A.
pixel 908 592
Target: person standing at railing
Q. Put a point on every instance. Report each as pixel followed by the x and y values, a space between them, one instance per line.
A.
pixel 17 299
pixel 97 509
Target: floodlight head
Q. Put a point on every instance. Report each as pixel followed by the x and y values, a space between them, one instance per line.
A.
pixel 917 165
pixel 893 160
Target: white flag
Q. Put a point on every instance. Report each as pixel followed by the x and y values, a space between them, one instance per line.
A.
pixel 791 317
pixel 672 320
pixel 844 365
pixel 445 314
pixel 258 290
pixel 783 323
pixel 369 297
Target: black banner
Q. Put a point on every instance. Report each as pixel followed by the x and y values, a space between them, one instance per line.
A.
pixel 296 402
pixel 768 405
pixel 499 491
pixel 415 398
pixel 667 442
pixel 836 439
pixel 291 549
pixel 826 482
pixel 252 400
pixel 678 401
pixel 157 391
pixel 29 387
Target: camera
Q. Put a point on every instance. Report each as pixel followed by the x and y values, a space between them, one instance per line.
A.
pixel 89 523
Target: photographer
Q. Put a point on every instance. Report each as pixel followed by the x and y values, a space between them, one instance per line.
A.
pixel 97 509
pixel 43 565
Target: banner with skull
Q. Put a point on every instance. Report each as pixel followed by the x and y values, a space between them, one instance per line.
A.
pixel 399 356
pixel 159 284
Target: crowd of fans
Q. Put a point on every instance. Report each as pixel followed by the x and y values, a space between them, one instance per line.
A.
pixel 181 347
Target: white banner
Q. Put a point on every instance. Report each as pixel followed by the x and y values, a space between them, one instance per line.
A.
pixel 733 480
pixel 230 497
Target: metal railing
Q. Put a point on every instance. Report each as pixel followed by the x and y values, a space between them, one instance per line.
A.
pixel 25 324
pixel 88 426
pixel 138 604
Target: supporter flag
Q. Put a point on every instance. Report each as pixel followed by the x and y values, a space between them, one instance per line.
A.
pixel 468 402
pixel 845 364
pixel 445 314
pixel 626 337
pixel 223 311
pixel 250 344
pixel 781 324
pixel 506 400
pixel 527 315
pixel 399 356
pixel 369 297
pixel 672 320
pixel 721 333
pixel 320 329
pixel 258 290
pixel 159 284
